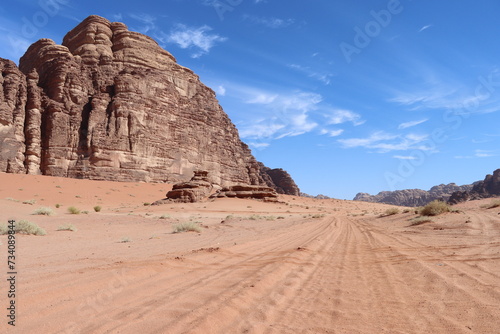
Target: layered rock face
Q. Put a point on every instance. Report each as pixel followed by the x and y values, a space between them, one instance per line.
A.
pixel 489 187
pixel 112 104
pixel 413 197
pixel 280 180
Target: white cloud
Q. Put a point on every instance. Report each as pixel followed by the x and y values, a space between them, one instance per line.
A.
pixel 197 38
pixel 221 90
pixel 405 157
pixel 339 116
pixel 258 145
pixel 425 27
pixel 384 142
pixel 323 77
pixel 411 124
pixel 281 115
pixel 332 133
pixel 270 22
pixel 147 22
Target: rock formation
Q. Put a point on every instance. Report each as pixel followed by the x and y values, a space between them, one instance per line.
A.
pixel 413 197
pixel 266 194
pixel 489 187
pixel 111 104
pixel 195 190
pixel 280 180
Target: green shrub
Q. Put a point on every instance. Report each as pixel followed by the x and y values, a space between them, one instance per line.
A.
pixel 97 208
pixel 435 208
pixel 187 227
pixel 73 210
pixel 58 206
pixel 44 211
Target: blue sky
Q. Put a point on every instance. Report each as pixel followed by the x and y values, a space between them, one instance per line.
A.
pixel 347 96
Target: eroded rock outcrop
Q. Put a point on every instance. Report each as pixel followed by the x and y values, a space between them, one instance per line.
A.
pixel 266 194
pixel 413 197
pixel 489 187
pixel 195 190
pixel 111 104
pixel 280 180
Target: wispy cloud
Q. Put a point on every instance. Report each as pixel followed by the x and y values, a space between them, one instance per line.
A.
pixel 426 27
pixel 411 124
pixel 270 22
pixel 323 77
pixel 198 38
pixel 147 22
pixel 282 115
pixel 339 116
pixel 221 90
pixel 405 157
pixel 384 142
pixel 478 154
pixel 332 133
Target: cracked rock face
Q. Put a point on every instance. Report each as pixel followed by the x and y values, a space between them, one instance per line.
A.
pixel 111 104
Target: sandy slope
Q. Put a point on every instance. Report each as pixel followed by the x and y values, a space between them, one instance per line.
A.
pixel 346 271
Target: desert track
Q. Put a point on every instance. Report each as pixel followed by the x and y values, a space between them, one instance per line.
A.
pixel 335 275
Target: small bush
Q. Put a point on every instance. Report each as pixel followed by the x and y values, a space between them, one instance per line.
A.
pixel 435 208
pixel 85 212
pixel 67 227
pixel 44 211
pixel 97 208
pixel 147 204
pixel 187 227
pixel 58 206
pixel 125 240
pixel 494 204
pixel 73 210
pixel 164 216
pixel 420 221
pixel 30 202
pixel 390 212
pixel 24 227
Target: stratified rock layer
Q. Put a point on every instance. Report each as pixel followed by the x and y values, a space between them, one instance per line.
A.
pixel 195 190
pixel 112 104
pixel 280 180
pixel 413 197
pixel 266 194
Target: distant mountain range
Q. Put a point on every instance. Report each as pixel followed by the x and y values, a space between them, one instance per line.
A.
pixel 452 193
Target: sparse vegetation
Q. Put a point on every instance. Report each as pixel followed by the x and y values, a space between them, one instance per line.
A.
pixel 73 210
pixel 44 211
pixel 67 227
pixel 420 221
pixel 187 227
pixel 58 206
pixel 164 217
pixel 125 240
pixel 85 212
pixel 147 203
pixel 30 202
pixel 391 212
pixel 318 215
pixel 24 227
pixel 97 208
pixel 494 204
pixel 435 208
pixel 12 199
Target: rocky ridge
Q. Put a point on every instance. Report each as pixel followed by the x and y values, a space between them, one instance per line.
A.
pixel 111 104
pixel 413 197
pixel 489 187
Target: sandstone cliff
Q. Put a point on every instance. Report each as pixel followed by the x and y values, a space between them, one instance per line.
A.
pixel 413 197
pixel 112 104
pixel 489 187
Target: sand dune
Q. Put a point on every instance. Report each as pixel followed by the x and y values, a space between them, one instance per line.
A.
pixel 301 266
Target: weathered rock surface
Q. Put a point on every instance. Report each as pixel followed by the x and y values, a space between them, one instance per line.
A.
pixel 489 187
pixel 280 180
pixel 247 191
pixel 112 104
pixel 195 190
pixel 413 197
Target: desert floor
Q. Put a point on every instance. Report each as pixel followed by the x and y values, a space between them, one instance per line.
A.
pixel 300 266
